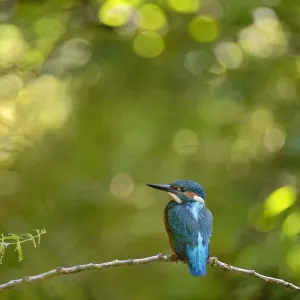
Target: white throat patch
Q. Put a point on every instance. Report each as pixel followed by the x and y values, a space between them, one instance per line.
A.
pixel 198 198
pixel 175 197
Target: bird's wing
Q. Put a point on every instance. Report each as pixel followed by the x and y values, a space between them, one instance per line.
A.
pixel 187 221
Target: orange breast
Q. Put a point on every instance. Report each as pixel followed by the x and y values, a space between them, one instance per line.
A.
pixel 168 230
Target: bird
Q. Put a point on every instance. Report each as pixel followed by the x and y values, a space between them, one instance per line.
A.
pixel 188 223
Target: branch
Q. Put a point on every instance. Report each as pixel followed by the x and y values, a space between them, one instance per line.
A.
pixel 213 261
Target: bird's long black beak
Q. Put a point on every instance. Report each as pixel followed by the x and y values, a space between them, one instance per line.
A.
pixel 162 187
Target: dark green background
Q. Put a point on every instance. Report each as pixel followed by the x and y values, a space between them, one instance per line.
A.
pixel 86 121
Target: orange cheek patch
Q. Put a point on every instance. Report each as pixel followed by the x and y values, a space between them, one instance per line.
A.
pixel 190 194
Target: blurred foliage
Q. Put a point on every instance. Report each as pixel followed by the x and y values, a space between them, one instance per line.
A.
pixel 16 240
pixel 99 97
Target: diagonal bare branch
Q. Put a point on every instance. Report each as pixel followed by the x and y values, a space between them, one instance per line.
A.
pixel 213 261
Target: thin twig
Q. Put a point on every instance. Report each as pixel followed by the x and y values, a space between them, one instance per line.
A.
pixel 213 261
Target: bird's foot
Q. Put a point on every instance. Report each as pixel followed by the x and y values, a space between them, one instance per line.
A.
pixel 213 261
pixel 174 258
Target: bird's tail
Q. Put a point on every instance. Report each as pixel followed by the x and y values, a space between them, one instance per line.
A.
pixel 197 259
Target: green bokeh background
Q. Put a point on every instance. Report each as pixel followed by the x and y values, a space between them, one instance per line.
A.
pixel 90 112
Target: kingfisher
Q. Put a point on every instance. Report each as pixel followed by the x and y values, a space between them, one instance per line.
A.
pixel 188 223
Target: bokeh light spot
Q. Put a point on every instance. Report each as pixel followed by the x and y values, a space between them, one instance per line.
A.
pixel 122 185
pixel 266 36
pixel 291 225
pixel 12 45
pixel 274 139
pixel 33 59
pixel 185 6
pixel 8 112
pixel 262 119
pixel 285 88
pixel 203 29
pixel 115 13
pixel 280 200
pixel 293 258
pixel 186 141
pixel 148 44
pixel 229 55
pixel 195 62
pixel 44 104
pixel 49 28
pixel 264 224
pixel 10 84
pixel 265 18
pixel 75 53
pixel 152 17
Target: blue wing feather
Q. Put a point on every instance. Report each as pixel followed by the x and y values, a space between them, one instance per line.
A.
pixel 179 245
pixel 190 226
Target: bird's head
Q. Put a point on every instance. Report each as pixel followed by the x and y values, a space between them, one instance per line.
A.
pixel 182 190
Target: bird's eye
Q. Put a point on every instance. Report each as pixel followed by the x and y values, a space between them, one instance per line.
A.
pixel 179 189
pixel 176 188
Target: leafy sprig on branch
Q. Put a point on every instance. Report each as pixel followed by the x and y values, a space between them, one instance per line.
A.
pixel 16 240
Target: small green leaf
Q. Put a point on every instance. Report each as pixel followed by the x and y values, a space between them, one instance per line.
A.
pixel 20 251
pixel 2 251
pixel 31 237
pixel 13 236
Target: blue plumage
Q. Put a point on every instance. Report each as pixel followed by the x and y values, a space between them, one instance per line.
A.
pixel 188 223
pixel 197 257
